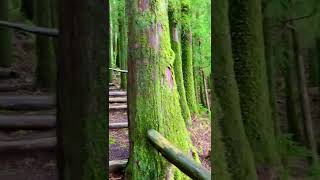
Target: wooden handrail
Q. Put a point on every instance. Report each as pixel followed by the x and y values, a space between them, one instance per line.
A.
pixel 31 29
pixel 177 157
pixel 118 70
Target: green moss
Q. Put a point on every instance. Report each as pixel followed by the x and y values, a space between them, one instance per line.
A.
pixel 251 76
pixel 153 95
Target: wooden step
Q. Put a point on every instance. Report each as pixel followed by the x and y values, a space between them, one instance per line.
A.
pixel 27 102
pixel 118 125
pixel 8 73
pixel 117 93
pixel 112 88
pixel 31 144
pixel 118 107
pixel 117 165
pixel 27 122
pixel 117 100
pixel 14 87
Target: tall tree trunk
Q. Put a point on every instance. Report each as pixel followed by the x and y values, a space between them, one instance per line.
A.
pixel 303 88
pixel 238 153
pixel 123 44
pixel 175 33
pixel 251 76
pixel 316 65
pixel 5 36
pixel 110 44
pixel 46 62
pixel 153 97
pixel 293 103
pixel 187 62
pixel 82 116
pixel 27 8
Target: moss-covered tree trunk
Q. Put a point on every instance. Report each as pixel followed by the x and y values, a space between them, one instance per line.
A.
pixel 187 60
pixel 153 96
pixel 123 44
pixel 316 65
pixel 238 153
pixel 27 8
pixel 293 103
pixel 5 36
pixel 174 13
pixel 82 118
pixel 250 67
pixel 46 62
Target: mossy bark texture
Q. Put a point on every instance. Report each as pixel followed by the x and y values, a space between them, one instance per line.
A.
pixel 238 153
pixel 5 36
pixel 153 96
pixel 175 34
pixel 82 119
pixel 46 62
pixel 250 67
pixel 187 60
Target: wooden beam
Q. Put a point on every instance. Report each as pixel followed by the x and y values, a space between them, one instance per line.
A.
pixel 32 144
pixel 118 107
pixel 177 157
pixel 27 121
pixel 31 29
pixel 27 102
pixel 117 100
pixel 117 165
pixel 118 70
pixel 118 125
pixel 117 93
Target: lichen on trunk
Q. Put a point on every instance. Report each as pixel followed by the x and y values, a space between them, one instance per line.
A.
pixel 153 96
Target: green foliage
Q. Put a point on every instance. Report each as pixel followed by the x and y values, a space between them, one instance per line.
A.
pixel 112 140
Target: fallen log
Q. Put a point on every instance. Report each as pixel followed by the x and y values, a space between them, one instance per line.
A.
pixel 27 122
pixel 117 165
pixel 118 107
pixel 27 102
pixel 31 29
pixel 7 73
pixel 117 100
pixel 32 144
pixel 117 93
pixel 118 125
pixel 177 157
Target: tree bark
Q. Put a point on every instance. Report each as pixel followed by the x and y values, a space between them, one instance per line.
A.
pixel 187 60
pixel 46 62
pixel 82 117
pixel 5 36
pixel 153 97
pixel 174 13
pixel 238 154
pixel 251 76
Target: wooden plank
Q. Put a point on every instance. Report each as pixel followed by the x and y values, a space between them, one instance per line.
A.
pixel 111 88
pixel 117 100
pixel 27 102
pixel 7 73
pixel 118 107
pixel 27 121
pixel 118 125
pixel 118 70
pixel 31 29
pixel 177 157
pixel 32 144
pixel 117 93
pixel 117 165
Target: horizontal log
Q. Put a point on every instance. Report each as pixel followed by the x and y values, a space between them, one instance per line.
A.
pixel 118 107
pixel 111 88
pixel 27 122
pixel 177 157
pixel 117 93
pixel 7 73
pixel 111 84
pixel 27 102
pixel 118 70
pixel 33 144
pixel 117 100
pixel 14 87
pixel 117 165
pixel 31 29
pixel 118 125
